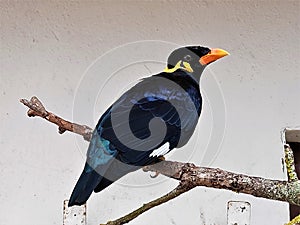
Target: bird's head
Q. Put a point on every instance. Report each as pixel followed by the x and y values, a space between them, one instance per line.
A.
pixel 193 59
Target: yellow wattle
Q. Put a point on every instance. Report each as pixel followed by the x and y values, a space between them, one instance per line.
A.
pixel 186 66
pixel 176 67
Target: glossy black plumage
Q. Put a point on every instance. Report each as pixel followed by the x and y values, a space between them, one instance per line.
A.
pixel 160 112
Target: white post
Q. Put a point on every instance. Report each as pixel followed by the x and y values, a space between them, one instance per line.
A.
pixel 238 213
pixel 75 215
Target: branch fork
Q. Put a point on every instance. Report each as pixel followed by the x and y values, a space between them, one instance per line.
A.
pixel 190 175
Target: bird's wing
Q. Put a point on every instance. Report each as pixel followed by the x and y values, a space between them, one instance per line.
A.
pixel 146 117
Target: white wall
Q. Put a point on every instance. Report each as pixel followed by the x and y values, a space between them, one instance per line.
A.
pixel 47 46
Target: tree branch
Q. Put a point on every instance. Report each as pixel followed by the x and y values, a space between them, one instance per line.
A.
pixel 180 189
pixel 221 179
pixel 295 221
pixel 290 163
pixel 36 108
pixel 190 175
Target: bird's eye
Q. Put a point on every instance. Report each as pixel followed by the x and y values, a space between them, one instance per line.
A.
pixel 187 58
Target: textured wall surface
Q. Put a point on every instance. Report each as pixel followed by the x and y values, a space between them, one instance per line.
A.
pixel 46 47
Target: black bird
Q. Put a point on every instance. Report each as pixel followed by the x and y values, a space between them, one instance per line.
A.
pixel 158 114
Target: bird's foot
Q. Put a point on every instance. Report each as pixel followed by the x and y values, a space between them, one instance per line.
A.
pixel 155 175
pixel 159 159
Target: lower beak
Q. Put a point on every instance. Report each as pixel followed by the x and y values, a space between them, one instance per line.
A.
pixel 213 55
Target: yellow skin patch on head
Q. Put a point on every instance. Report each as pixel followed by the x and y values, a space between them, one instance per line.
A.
pixel 186 66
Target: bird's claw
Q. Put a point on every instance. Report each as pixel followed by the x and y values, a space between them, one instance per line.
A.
pixel 159 159
pixel 155 175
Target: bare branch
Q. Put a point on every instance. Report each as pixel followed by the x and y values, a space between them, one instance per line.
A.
pixel 295 221
pixel 36 108
pixel 190 175
pixel 290 163
pixel 180 189
pixel 221 179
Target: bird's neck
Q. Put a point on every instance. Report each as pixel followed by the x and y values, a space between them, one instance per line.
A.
pixel 197 74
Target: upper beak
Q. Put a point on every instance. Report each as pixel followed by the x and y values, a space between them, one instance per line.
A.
pixel 213 55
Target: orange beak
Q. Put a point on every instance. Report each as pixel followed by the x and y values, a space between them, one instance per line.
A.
pixel 213 55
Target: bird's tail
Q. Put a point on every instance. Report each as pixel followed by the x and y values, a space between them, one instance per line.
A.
pixel 85 185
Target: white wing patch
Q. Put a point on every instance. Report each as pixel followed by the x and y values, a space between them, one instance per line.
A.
pixel 162 150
